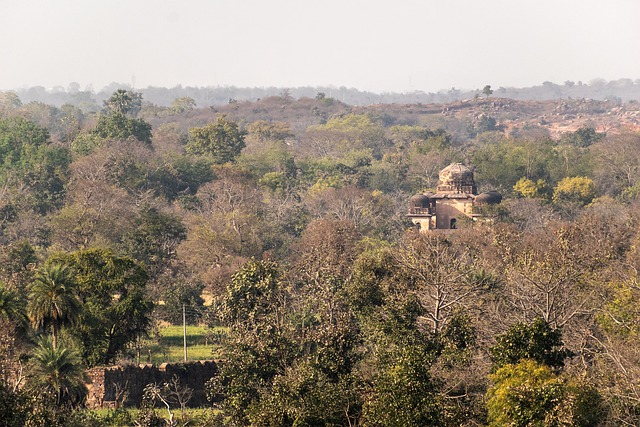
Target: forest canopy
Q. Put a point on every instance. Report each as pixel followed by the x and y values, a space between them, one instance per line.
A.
pixel 283 222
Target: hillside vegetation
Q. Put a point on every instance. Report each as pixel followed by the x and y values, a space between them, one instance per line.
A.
pixel 289 217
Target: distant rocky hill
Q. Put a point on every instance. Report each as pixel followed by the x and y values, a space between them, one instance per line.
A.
pixel 460 118
pixel 617 91
pixel 556 116
pixel 463 118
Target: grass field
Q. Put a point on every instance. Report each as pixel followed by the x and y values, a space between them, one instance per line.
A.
pixel 167 346
pixel 126 417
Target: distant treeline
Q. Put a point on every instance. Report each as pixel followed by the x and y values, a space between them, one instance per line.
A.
pixel 621 90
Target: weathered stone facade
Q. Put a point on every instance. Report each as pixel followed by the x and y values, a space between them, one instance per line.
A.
pixel 109 385
pixel 455 198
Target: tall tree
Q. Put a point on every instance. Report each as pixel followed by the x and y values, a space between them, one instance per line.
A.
pixel 223 140
pixel 532 394
pixel 119 126
pixel 116 308
pixel 58 370
pixel 440 275
pixel 11 306
pixel 183 104
pixel 154 239
pixel 124 102
pixel 53 299
pixel 19 140
pixel 13 327
pixel 537 341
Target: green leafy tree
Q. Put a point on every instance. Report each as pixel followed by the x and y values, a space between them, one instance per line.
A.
pixel 154 239
pixel 86 143
pixel 531 394
pixel 116 311
pixel 124 102
pixel 291 351
pixel 183 104
pixel 53 299
pixel 20 140
pixel 422 139
pixel 305 396
pixel 176 292
pixel 9 101
pixel 258 349
pixel 252 293
pixel 179 176
pixel 537 341
pixel 341 135
pixel 46 179
pixel 118 126
pixel 223 140
pixel 373 268
pixel 264 130
pixel 583 137
pixel 486 124
pixel 487 91
pixel 58 370
pixel 404 389
pixel 502 164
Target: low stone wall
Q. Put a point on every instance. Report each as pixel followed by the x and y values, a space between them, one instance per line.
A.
pixel 110 385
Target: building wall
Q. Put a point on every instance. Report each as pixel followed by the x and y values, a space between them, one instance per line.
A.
pixel 424 223
pixel 446 209
pixel 108 384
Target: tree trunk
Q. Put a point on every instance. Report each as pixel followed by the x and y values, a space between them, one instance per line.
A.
pixel 55 335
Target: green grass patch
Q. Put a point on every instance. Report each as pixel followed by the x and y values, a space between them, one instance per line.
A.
pixel 126 417
pixel 166 346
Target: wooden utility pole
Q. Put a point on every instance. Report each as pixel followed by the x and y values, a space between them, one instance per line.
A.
pixel 184 329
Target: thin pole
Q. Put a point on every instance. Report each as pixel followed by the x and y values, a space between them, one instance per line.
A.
pixel 184 330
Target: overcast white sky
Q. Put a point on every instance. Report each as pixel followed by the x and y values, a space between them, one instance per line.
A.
pixel 376 45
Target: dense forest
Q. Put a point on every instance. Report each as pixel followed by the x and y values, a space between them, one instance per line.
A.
pixel 283 221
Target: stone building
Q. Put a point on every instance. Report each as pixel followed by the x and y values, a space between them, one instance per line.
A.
pixel 455 197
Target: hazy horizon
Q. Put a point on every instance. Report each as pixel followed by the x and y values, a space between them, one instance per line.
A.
pixel 375 46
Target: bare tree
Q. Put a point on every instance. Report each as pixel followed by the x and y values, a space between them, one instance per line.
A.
pixel 439 274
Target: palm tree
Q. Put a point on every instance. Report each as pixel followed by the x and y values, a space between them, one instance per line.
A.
pixel 11 306
pixel 58 370
pixel 13 327
pixel 53 299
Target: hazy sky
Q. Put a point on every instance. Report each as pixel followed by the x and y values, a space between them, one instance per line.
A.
pixel 377 45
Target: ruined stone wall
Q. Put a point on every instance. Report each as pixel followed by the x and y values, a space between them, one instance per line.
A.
pixel 109 385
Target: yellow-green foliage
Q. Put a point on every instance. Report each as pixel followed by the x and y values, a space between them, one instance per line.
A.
pixel 353 131
pixel 522 394
pixel 621 315
pixel 576 189
pixel 531 394
pixel 528 189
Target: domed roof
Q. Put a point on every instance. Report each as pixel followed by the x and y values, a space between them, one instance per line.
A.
pixel 456 178
pixel 455 171
pixel 489 197
pixel 420 200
